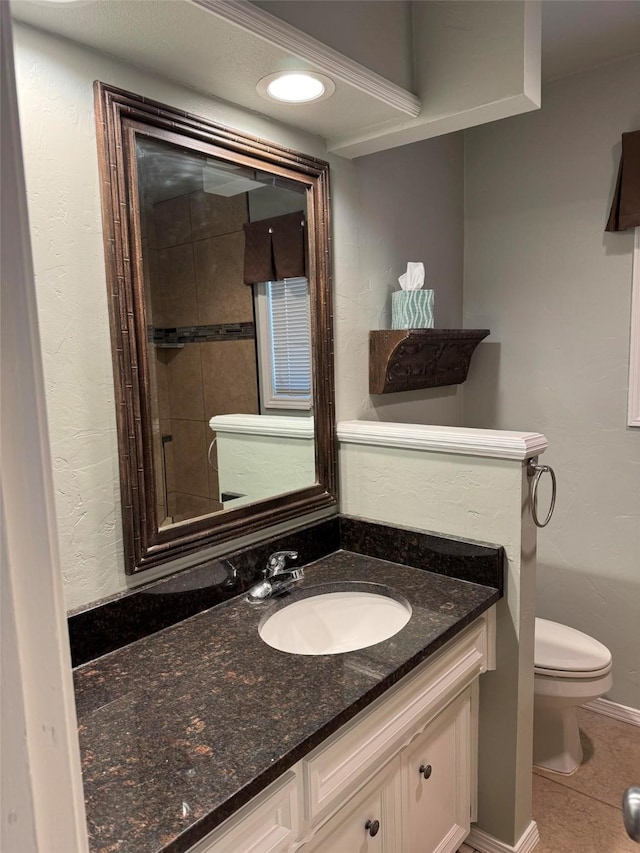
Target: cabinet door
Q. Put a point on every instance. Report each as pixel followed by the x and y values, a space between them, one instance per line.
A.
pixel 436 775
pixel 368 823
pixel 268 824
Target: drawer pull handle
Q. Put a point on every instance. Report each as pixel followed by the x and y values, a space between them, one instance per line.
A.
pixel 372 826
pixel 425 770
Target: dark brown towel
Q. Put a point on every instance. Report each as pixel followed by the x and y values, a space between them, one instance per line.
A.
pixel 274 248
pixel 258 254
pixel 625 208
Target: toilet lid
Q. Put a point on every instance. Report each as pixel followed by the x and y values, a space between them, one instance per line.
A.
pixel 564 649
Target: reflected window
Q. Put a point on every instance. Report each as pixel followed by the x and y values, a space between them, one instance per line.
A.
pixel 284 341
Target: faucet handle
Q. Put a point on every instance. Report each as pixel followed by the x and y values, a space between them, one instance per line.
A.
pixel 277 562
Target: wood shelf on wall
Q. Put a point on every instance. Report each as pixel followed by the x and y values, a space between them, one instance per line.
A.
pixel 409 359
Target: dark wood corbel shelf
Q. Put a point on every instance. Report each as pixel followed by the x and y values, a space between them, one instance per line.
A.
pixel 408 359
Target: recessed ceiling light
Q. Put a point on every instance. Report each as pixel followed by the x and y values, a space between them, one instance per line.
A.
pixel 295 87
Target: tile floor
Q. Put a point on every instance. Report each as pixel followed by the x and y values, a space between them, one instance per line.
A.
pixel 582 813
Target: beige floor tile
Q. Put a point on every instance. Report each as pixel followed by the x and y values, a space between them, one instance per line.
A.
pixel 570 822
pixel 611 759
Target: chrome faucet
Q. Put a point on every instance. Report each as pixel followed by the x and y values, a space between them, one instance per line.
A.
pixel 278 577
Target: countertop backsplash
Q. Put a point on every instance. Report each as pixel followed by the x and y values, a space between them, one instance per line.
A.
pixel 124 618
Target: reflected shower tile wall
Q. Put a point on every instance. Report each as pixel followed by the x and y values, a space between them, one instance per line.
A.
pixel 212 215
pixel 152 291
pixel 147 223
pixel 184 368
pixel 190 444
pixel 161 361
pixel 223 362
pixel 194 258
pixel 172 222
pixel 158 465
pixel 222 295
pixel 166 429
pixel 176 283
pixel 191 506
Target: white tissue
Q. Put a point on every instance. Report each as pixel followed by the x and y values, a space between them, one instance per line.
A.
pixel 413 278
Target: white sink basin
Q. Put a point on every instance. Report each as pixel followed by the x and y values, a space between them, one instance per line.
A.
pixel 328 623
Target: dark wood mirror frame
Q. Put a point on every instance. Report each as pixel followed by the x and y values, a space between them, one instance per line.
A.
pixel 120 115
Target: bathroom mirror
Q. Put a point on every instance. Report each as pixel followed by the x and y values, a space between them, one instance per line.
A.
pixel 217 258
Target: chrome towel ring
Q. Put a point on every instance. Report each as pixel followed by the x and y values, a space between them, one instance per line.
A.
pixel 535 472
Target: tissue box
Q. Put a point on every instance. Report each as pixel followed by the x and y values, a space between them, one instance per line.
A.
pixel 412 309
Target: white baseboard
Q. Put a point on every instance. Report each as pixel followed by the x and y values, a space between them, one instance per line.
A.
pixel 485 843
pixel 612 709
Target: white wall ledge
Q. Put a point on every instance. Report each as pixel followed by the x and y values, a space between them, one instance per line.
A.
pixel 279 425
pixel 493 443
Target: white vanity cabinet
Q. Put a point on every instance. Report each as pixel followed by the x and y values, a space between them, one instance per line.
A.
pixel 401 776
pixel 420 801
pixel 437 781
pixel 370 822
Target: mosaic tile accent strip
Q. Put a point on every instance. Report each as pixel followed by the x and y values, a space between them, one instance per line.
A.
pixel 201 334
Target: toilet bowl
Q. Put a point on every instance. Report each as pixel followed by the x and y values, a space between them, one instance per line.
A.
pixel 571 668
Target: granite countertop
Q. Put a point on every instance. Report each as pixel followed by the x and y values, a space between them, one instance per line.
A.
pixel 180 729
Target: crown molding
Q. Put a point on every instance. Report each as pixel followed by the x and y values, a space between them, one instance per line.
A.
pixel 496 444
pixel 331 62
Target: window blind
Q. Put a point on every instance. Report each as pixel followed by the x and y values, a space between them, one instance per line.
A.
pixel 290 323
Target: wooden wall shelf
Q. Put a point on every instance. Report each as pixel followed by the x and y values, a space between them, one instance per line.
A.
pixel 408 359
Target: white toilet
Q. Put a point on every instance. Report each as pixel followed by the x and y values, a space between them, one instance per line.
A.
pixel 571 668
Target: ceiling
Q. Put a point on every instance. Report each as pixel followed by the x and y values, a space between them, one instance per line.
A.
pixel 576 34
pixel 581 34
pixel 190 42
pixel 208 45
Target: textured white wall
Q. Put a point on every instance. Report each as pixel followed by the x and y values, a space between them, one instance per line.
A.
pixel 402 192
pixel 555 291
pixel 481 499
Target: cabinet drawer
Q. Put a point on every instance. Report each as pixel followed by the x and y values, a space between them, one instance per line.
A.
pixel 436 782
pixel 268 824
pixel 372 737
pixel 376 809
